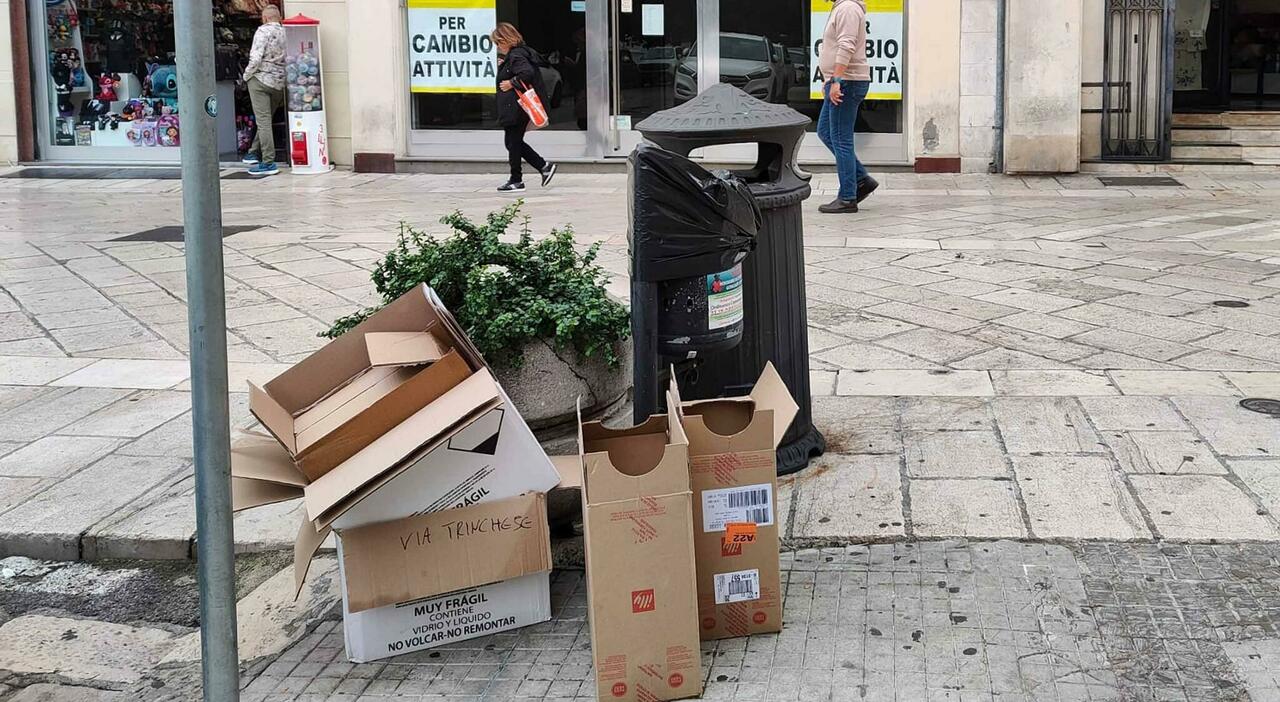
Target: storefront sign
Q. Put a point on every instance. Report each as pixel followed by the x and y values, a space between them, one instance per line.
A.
pixel 884 47
pixel 450 50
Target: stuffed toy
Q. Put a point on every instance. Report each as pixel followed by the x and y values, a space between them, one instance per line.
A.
pixel 163 83
pixel 107 84
pixel 60 74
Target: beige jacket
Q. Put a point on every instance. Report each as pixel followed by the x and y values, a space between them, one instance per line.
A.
pixel 844 42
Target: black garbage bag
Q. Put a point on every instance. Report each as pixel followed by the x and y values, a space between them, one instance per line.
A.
pixel 685 220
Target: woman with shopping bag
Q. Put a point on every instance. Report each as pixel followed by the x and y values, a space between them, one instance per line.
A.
pixel 521 105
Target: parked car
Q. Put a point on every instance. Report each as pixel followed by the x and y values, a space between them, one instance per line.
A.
pixel 747 61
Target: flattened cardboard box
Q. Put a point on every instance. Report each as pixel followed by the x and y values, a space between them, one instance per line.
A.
pixel 733 471
pixel 641 587
pixel 447 576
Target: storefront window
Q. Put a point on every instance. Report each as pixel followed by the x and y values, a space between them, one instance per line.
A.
pixel 452 60
pixel 112 79
pixel 657 59
pixel 769 49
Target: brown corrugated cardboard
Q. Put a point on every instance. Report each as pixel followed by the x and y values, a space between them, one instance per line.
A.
pixel 403 348
pixel 440 552
pixel 641 586
pixel 354 410
pixel 733 470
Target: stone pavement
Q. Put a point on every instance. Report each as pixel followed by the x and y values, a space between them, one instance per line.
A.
pixel 1029 388
pixel 993 357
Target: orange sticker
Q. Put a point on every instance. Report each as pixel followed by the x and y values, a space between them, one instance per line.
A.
pixel 740 532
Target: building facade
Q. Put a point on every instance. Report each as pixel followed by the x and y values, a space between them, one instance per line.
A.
pixel 409 81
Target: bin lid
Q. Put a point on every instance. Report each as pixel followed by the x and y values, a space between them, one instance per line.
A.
pixel 300 19
pixel 722 108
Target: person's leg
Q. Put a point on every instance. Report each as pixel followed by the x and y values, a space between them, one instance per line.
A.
pixel 533 157
pixel 277 103
pixel 265 142
pixel 824 123
pixel 514 137
pixel 841 135
pixel 857 92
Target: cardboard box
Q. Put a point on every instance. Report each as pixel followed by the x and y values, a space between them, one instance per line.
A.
pixel 465 444
pixel 455 616
pixel 641 587
pixel 733 470
pixel 424 581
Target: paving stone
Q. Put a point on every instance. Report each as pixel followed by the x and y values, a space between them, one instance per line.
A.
pixel 1035 344
pixel 133 416
pixel 1051 425
pixel 1046 324
pixel 101 336
pixel 954 454
pixel 1078 497
pixel 915 382
pixel 1155 325
pixel 969 508
pixel 53 410
pixel 160 525
pixel 1030 301
pixel 269 618
pixel 1244 344
pixel 1198 507
pixel 56 456
pixel 81 650
pixel 49 524
pixel 1039 383
pixel 1122 341
pixel 923 316
pixel 125 373
pixel 933 345
pixel 856 355
pixel 1262 478
pixel 1171 383
pixel 1137 413
pixel 27 370
pixel 15 491
pixel 849 496
pixel 1230 429
pixel 1163 452
pixel 952 413
pixel 1257 663
pixel 1006 359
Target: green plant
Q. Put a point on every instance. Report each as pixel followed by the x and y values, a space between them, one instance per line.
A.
pixel 505 294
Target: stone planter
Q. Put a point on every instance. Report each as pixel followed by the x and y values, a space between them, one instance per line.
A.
pixel 546 388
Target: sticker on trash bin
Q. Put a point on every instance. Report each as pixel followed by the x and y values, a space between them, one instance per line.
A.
pixel 724 298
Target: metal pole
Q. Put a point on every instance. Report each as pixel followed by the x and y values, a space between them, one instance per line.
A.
pixel 997 150
pixel 207 322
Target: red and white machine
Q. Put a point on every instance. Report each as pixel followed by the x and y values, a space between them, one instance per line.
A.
pixel 304 96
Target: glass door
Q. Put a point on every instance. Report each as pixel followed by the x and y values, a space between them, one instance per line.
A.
pixel 655 63
pixel 452 95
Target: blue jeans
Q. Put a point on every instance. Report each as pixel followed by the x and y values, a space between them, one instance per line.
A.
pixel 835 129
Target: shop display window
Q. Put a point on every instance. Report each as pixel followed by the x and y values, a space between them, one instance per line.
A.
pixel 112 76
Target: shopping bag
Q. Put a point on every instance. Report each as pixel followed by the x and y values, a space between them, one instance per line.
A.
pixel 532 106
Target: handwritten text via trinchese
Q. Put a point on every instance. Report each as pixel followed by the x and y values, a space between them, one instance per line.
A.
pixel 456 531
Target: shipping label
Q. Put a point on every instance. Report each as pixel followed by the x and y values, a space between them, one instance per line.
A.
pixel 738 586
pixel 749 503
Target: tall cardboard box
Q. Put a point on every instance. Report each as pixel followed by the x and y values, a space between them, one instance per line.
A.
pixel 733 471
pixel 641 589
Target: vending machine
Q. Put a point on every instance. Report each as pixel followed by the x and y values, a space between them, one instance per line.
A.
pixel 304 96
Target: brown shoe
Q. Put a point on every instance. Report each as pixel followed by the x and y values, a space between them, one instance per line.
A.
pixel 838 206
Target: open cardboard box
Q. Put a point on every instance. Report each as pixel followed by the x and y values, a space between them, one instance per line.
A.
pixel 641 590
pixel 733 473
pixel 464 445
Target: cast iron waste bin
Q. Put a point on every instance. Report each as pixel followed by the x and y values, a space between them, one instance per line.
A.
pixel 774 306
pixel 689 234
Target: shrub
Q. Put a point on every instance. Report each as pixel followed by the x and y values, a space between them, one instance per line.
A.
pixel 505 295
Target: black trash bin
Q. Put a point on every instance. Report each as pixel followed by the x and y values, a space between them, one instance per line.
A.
pixel 690 232
pixel 775 317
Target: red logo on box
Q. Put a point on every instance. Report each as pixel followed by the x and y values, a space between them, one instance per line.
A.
pixel 675 680
pixel 619 689
pixel 708 622
pixel 643 601
pixel 759 617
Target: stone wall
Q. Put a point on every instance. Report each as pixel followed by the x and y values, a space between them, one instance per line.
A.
pixel 1042 79
pixel 977 84
pixel 8 109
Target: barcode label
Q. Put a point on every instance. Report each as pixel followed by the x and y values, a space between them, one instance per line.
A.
pixel 739 586
pixel 750 503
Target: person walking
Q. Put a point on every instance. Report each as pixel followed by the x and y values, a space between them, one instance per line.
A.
pixel 842 61
pixel 518 70
pixel 264 77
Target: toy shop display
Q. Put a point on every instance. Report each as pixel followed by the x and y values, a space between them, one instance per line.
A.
pixel 304 96
pixel 113 78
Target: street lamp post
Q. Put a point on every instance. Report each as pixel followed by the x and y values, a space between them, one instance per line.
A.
pixel 207 323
